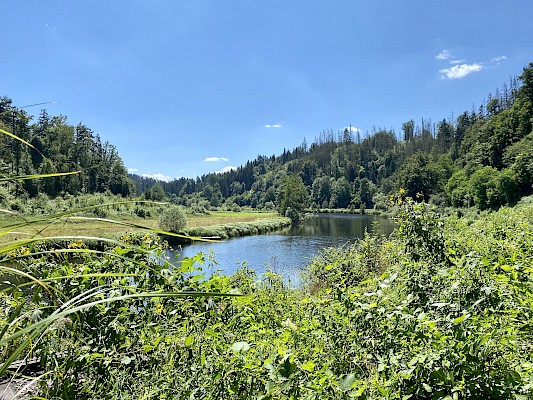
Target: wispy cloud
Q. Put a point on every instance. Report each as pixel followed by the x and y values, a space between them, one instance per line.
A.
pixel 132 170
pixel 159 177
pixel 215 159
pixel 460 67
pixel 273 126
pixel 443 55
pixel 460 71
pixel 352 129
pixel 51 28
pixel 498 59
pixel 225 169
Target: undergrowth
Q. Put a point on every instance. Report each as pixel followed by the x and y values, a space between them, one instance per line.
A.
pixel 441 309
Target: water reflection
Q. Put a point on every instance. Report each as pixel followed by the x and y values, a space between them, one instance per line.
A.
pixel 289 250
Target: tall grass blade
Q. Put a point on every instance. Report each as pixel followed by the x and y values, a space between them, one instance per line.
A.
pixel 37 326
pixel 39 176
pixel 21 140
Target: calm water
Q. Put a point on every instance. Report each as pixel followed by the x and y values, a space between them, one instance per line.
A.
pixel 289 250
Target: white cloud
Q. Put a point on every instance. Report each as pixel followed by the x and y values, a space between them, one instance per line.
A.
pixel 460 71
pixel 273 126
pixel 215 159
pixel 225 169
pixel 498 59
pixel 457 61
pixel 443 55
pixel 352 129
pixel 159 177
pixel 132 170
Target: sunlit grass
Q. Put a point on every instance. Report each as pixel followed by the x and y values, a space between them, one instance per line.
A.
pixel 226 217
pixel 89 227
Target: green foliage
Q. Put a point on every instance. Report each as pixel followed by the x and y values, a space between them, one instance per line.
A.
pixel 346 266
pixel 293 198
pixel 487 188
pixel 172 219
pixel 156 193
pixel 421 229
pixel 442 310
pixel 53 146
pixel 237 229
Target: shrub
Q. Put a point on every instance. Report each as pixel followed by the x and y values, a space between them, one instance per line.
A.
pixel 172 219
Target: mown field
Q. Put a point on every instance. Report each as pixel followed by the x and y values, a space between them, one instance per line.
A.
pixel 131 212
pixel 442 309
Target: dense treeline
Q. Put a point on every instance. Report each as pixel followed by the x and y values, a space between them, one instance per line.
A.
pixel 62 148
pixel 480 158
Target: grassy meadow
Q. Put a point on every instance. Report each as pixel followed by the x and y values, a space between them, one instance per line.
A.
pixel 145 214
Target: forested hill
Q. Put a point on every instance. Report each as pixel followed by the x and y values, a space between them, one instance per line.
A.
pixel 483 158
pixel 62 148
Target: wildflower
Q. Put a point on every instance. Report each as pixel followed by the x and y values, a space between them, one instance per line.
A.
pixel 75 245
pixel 289 324
pixel 24 251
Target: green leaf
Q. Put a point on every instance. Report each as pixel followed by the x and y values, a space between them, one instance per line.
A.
pixel 427 388
pixel 126 360
pixel 347 382
pixel 460 319
pixel 309 366
pixel 359 392
pixel 189 341
pixel 238 347
pixel 37 176
pixel 20 140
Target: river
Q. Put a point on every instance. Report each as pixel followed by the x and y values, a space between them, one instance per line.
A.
pixel 288 251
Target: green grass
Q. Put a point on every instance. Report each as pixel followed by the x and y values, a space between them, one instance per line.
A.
pixel 226 217
pixel 99 228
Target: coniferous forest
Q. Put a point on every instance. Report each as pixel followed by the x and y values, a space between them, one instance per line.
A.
pixel 481 158
pixel 58 147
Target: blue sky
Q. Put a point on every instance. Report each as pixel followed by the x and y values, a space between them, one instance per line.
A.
pixel 183 88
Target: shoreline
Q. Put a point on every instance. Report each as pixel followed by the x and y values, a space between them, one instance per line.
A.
pixel 230 230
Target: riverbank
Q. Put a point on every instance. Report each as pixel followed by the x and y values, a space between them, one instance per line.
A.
pixel 360 211
pixel 233 229
pixel 129 221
